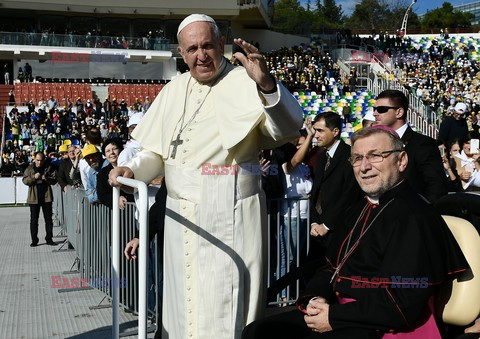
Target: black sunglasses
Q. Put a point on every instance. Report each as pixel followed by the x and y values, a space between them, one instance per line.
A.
pixel 383 109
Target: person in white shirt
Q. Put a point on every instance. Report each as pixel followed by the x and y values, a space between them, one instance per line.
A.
pixel 294 209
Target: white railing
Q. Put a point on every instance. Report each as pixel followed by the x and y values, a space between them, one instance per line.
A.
pixel 143 256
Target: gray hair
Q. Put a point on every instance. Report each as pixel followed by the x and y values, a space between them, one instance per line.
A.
pixel 395 140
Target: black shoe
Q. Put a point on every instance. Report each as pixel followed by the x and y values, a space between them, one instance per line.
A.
pixel 51 243
pixel 34 244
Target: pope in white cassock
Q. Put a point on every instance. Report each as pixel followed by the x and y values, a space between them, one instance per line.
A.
pixel 215 226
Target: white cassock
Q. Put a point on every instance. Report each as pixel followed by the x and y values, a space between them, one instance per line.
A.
pixel 215 226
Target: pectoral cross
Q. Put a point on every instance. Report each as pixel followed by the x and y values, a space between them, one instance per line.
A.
pixel 335 274
pixel 175 143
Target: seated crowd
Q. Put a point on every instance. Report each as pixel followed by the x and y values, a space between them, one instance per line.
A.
pixel 51 125
pixel 441 71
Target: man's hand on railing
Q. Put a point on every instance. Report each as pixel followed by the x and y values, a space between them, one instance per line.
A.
pixel 131 249
pixel 119 172
pixel 122 201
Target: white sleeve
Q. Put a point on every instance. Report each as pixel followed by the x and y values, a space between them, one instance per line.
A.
pixel 475 180
pixel 83 169
pixel 146 166
pixel 284 116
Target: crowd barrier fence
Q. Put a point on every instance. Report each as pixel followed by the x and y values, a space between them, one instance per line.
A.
pixel 88 228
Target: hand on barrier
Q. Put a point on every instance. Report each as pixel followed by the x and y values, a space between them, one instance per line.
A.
pixel 122 201
pixel 131 249
pixel 119 172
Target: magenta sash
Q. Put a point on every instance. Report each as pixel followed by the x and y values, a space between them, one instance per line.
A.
pixel 427 330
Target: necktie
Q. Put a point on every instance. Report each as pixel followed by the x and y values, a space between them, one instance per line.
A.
pixel 318 205
pixel 327 163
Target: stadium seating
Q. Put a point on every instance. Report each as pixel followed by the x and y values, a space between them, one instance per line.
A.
pixel 24 92
pixel 359 102
pixel 130 92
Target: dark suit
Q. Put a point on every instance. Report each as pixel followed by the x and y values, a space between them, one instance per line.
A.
pixel 337 190
pixel 105 191
pixel 424 171
pixel 63 173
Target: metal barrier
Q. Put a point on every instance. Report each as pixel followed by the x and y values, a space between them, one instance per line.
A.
pixel 285 227
pixel 88 229
pixel 143 254
pixel 98 236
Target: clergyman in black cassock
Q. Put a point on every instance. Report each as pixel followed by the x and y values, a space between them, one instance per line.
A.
pixel 394 237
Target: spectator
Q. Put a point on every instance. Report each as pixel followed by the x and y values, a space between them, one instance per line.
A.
pixel 88 108
pixel 465 160
pixel 123 107
pixel 453 179
pixel 26 136
pixel 15 130
pixel 63 173
pixel 454 127
pixel 79 105
pixel 111 149
pixel 293 227
pixel 28 73
pixel 107 107
pixel 368 119
pixel 11 97
pixel 6 74
pixel 98 107
pixel 146 104
pixel 51 104
pixel 21 160
pixel 132 147
pixel 95 161
pixel 8 168
pixel 112 132
pixel 20 75
pixel 38 177
pixel 31 107
pixel 474 181
pixel 92 137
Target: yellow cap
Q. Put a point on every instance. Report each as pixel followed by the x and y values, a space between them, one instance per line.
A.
pixel 67 142
pixel 89 149
pixel 62 148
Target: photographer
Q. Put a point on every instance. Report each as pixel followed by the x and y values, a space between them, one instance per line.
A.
pixel 38 177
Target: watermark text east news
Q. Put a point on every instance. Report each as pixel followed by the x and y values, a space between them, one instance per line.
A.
pixel 244 169
pixel 94 56
pixel 389 282
pixel 95 282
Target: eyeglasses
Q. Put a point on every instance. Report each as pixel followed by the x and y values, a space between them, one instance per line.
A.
pixel 372 158
pixel 383 109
